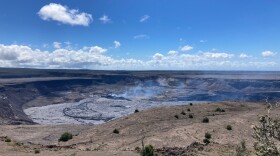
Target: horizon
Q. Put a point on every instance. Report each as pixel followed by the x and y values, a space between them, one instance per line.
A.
pixel 160 36
pixel 151 70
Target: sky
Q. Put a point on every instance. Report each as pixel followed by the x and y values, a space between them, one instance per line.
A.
pixel 141 35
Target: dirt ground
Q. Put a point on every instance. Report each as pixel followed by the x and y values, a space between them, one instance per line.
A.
pixel 157 126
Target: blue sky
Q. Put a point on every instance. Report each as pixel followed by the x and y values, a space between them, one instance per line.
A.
pixel 141 35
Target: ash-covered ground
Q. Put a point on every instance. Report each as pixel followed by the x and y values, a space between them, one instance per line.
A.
pixel 82 97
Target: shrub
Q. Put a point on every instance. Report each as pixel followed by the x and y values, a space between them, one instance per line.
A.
pixel 208 135
pixel 136 111
pixel 36 151
pixel 183 113
pixel 176 116
pixel 265 134
pixel 205 120
pixel 8 139
pixel 116 131
pixel 206 141
pixel 190 116
pixel 229 127
pixel 147 151
pixel 207 138
pixel 191 104
pixel 189 110
pixel 65 137
pixel 241 149
pixel 220 109
pixel 137 149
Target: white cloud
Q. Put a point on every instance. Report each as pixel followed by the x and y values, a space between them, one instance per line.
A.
pixel 172 52
pixel 105 19
pixel 268 53
pixel 218 55
pixel 242 55
pixel 63 14
pixel 141 36
pixel 95 57
pixel 9 53
pixel 158 56
pixel 24 56
pixel 144 18
pixel 56 45
pixel 117 44
pixel 186 48
pixel 68 45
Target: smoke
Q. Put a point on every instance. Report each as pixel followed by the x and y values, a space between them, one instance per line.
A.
pixel 200 89
pixel 144 90
pixel 151 88
pixel 171 82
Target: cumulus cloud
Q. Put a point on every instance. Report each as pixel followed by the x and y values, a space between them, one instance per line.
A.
pixel 218 55
pixel 9 53
pixel 158 56
pixel 186 48
pixel 141 36
pixel 56 45
pixel 105 19
pixel 144 18
pixel 117 44
pixel 268 53
pixel 95 57
pixel 172 52
pixel 63 14
pixel 242 55
pixel 24 56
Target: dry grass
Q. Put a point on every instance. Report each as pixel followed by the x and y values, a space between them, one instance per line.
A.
pixel 158 125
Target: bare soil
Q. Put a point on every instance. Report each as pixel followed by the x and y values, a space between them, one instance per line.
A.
pixel 157 126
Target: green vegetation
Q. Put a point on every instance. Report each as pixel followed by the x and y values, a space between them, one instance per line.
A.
pixel 208 135
pixel 220 109
pixel 147 151
pixel 205 120
pixel 190 116
pixel 183 113
pixel 206 141
pixel 265 134
pixel 241 149
pixel 65 137
pixel 7 139
pixel 207 138
pixel 176 116
pixel 116 131
pixel 36 151
pixel 229 127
